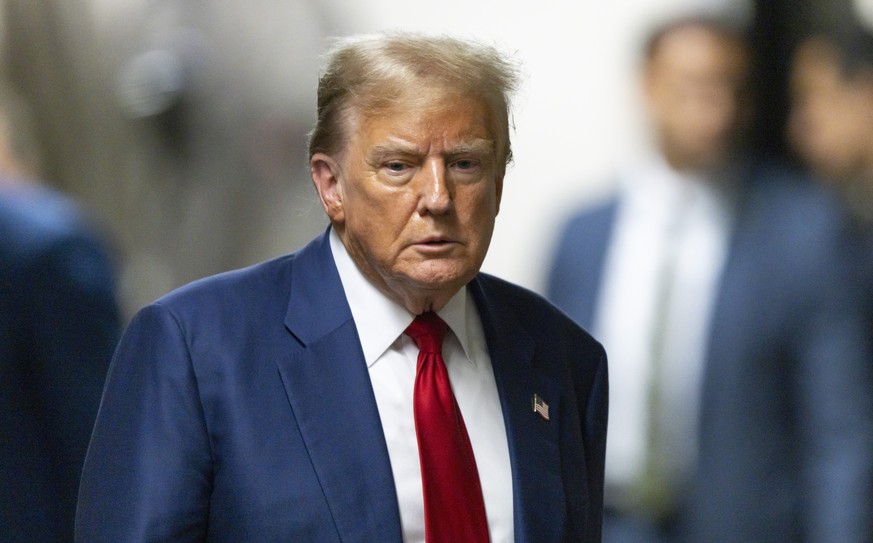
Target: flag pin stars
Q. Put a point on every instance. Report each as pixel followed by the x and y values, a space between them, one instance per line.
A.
pixel 540 406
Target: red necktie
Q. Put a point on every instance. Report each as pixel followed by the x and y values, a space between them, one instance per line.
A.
pixel 454 511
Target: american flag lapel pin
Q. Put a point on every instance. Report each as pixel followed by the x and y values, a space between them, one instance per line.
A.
pixel 540 406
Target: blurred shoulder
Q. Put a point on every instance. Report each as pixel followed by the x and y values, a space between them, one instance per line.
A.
pixel 542 318
pixel 49 233
pixel 794 203
pixel 36 213
pixel 597 212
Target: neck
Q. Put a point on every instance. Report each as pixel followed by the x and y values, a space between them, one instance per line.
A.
pixel 416 300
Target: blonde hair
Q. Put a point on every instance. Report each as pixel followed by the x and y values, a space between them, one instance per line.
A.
pixel 366 74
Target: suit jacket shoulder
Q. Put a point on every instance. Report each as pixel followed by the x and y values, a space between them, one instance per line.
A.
pixel 238 408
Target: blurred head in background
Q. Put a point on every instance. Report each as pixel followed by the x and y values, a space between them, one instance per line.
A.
pixel 831 122
pixel 694 82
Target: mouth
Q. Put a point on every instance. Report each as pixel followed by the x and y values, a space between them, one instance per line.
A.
pixel 435 242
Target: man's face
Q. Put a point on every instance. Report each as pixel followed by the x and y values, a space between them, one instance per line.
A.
pixel 694 91
pixel 831 120
pixel 416 194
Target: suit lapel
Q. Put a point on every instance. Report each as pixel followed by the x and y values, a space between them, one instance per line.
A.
pixel 539 504
pixel 329 390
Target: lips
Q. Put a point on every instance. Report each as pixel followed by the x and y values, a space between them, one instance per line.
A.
pixel 434 240
pixel 434 243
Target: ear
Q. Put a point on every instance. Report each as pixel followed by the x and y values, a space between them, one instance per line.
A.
pixel 326 178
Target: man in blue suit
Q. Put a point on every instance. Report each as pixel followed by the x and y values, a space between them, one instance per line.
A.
pixel 739 363
pixel 59 323
pixel 276 403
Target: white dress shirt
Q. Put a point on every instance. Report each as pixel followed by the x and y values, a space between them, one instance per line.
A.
pixel 392 357
pixel 659 208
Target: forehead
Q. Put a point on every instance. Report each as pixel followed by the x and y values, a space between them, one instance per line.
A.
pixel 699 48
pixel 424 117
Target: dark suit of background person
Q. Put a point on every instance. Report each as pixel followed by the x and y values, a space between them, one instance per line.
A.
pixel 240 408
pixel 780 436
pixel 59 323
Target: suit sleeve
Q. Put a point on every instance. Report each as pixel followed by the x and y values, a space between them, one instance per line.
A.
pixel 147 476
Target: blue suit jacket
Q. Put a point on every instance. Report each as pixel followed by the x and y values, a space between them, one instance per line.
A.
pixel 58 326
pixel 786 429
pixel 239 408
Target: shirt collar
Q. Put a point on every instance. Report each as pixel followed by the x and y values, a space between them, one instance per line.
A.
pixel 380 321
pixel 653 188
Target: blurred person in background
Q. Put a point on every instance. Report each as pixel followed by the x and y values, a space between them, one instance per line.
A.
pixel 289 400
pixel 59 323
pixel 740 404
pixel 831 121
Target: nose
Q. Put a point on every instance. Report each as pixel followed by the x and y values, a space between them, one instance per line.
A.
pixel 435 196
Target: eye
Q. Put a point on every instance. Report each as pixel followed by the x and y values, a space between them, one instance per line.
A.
pixel 396 171
pixel 466 164
pixel 396 167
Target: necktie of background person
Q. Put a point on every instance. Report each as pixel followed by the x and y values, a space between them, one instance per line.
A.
pixel 454 510
pixel 656 492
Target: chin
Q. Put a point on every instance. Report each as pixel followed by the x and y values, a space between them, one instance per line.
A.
pixel 439 278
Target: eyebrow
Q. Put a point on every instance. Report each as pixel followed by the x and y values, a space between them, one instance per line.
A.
pixel 475 146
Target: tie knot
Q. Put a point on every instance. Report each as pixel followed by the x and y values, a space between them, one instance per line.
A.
pixel 428 331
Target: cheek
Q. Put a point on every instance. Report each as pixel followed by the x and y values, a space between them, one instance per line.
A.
pixel 479 209
pixel 378 221
pixel 863 118
pixel 372 202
